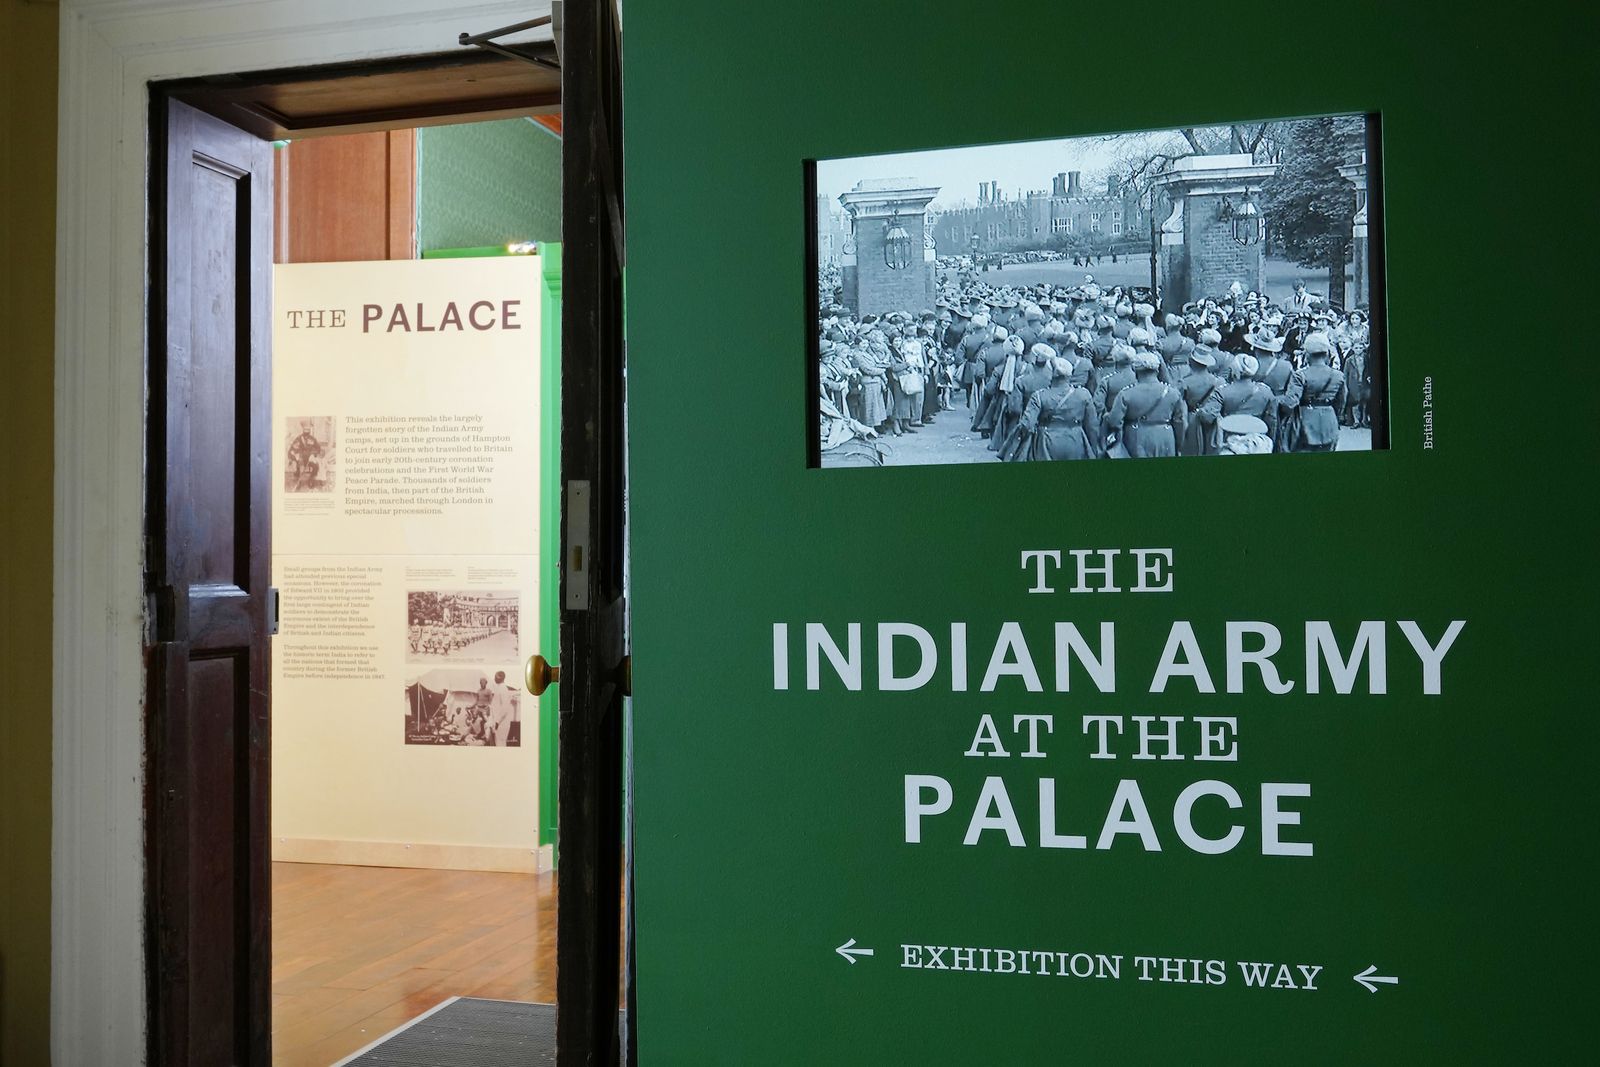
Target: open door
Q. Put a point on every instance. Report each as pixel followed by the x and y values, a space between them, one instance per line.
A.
pixel 208 466
pixel 207 572
pixel 593 638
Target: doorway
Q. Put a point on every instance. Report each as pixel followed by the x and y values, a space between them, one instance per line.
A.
pixel 415 321
pixel 213 450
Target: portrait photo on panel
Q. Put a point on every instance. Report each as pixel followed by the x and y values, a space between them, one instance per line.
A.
pixel 474 626
pixel 464 706
pixel 1187 292
pixel 310 454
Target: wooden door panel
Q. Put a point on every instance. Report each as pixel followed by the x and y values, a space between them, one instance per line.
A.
pixel 208 521
pixel 351 197
pixel 218 723
pixel 219 194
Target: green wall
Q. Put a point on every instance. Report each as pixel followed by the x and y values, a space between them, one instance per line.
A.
pixel 1454 833
pixel 27 302
pixel 550 537
pixel 487 183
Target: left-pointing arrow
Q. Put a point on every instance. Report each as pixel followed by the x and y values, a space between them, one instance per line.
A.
pixel 1370 976
pixel 849 951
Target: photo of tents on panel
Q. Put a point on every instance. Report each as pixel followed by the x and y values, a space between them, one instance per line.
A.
pixel 464 706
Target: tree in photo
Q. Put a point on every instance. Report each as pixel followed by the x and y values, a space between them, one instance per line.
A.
pixel 425 607
pixel 1308 205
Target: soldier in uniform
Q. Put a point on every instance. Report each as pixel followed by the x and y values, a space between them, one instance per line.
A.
pixel 1008 438
pixel 1148 415
pixel 1316 395
pixel 1000 360
pixel 974 340
pixel 1124 322
pixel 1202 397
pixel 1174 343
pixel 1060 421
pixel 1120 377
pixel 1083 320
pixel 1005 312
pixel 1175 367
pixel 304 458
pixel 1244 395
pixel 1142 341
pixel 1144 318
pixel 1084 372
pixel 1275 372
pixel 1031 330
pixel 1103 341
pixel 1071 348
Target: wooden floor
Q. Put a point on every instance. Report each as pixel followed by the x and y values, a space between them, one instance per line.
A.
pixel 358 951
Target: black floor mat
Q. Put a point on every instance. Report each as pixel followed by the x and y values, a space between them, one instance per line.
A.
pixel 468 1032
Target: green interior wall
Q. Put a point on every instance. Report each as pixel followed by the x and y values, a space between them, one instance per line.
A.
pixel 27 298
pixel 550 539
pixel 769 824
pixel 487 183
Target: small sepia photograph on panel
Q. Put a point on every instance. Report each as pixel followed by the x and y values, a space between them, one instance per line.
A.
pixel 476 708
pixel 1186 292
pixel 309 454
pixel 462 627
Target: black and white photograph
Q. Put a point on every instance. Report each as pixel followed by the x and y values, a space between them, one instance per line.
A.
pixel 1195 291
pixel 462 627
pixel 309 454
pixel 464 706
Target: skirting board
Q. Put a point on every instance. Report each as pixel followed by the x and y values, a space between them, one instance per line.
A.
pixel 411 854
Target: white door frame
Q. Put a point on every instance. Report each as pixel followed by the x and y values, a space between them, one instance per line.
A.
pixel 110 51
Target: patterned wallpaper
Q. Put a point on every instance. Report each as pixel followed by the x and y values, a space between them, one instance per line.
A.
pixel 487 183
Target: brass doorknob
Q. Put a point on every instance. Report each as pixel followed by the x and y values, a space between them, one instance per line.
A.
pixel 539 675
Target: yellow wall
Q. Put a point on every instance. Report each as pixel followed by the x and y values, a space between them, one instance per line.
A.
pixel 27 308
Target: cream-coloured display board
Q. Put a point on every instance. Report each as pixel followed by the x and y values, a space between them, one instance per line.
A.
pixel 405 526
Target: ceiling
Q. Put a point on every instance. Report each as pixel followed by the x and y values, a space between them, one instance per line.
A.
pixel 466 85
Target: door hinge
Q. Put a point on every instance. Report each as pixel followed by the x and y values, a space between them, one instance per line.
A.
pixel 274 611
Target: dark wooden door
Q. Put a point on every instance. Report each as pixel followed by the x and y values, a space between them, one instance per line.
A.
pixel 208 517
pixel 593 642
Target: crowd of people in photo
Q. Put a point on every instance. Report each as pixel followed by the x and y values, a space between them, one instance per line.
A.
pixel 1047 372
